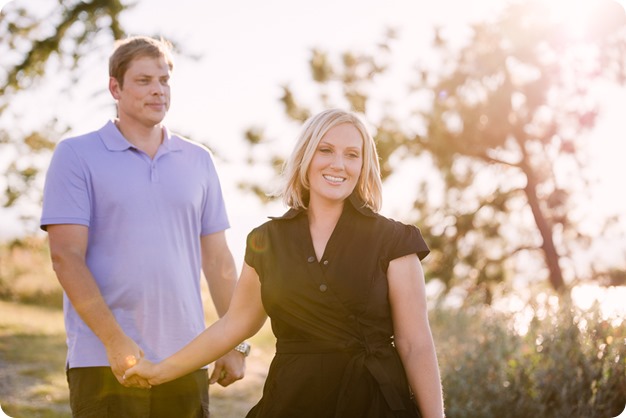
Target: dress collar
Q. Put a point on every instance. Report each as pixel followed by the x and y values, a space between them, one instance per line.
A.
pixel 353 199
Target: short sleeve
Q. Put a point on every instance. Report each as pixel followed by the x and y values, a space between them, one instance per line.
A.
pixel 256 247
pixel 405 240
pixel 214 215
pixel 66 197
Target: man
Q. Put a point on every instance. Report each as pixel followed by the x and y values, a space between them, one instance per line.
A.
pixel 134 214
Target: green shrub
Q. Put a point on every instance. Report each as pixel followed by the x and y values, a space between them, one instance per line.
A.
pixel 568 363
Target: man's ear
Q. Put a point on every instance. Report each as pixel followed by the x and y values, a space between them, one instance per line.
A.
pixel 114 88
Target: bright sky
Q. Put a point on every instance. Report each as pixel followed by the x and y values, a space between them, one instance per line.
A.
pixel 249 49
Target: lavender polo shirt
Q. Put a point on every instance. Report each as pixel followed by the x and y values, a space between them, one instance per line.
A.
pixel 145 218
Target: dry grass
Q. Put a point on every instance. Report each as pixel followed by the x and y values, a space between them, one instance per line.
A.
pixel 32 354
pixel 26 274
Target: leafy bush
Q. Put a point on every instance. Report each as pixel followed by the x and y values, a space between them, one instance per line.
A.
pixel 568 363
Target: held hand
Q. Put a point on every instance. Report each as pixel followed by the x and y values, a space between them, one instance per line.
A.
pixel 144 372
pixel 122 354
pixel 228 369
pixel 135 381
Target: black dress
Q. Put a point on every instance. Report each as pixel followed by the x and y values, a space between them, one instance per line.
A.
pixel 332 320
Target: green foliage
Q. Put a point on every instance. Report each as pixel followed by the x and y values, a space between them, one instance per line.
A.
pixel 568 363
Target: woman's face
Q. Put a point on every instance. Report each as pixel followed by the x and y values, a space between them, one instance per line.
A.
pixel 336 165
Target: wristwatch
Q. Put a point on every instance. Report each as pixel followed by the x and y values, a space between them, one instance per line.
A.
pixel 243 348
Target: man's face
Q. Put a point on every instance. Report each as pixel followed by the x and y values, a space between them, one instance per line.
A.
pixel 145 96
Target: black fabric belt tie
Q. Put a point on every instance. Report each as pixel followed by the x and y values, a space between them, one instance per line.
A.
pixel 365 356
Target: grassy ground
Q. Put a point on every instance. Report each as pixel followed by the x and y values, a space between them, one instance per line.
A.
pixel 32 356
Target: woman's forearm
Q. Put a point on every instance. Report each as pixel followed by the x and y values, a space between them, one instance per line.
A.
pixel 425 381
pixel 244 318
pixel 207 347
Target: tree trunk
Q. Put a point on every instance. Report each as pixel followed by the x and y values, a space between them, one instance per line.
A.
pixel 545 229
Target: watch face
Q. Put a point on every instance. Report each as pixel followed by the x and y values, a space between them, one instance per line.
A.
pixel 243 348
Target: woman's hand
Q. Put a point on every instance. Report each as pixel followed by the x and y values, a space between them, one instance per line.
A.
pixel 143 374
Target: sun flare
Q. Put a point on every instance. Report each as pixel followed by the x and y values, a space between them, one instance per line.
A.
pixel 131 360
pixel 610 301
pixel 571 14
pixel 586 18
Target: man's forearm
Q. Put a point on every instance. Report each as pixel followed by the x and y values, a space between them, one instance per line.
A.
pixel 222 279
pixel 84 294
pixel 219 270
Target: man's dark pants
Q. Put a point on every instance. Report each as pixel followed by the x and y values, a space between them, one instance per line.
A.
pixel 96 393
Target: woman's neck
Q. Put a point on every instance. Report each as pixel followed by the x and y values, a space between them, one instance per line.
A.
pixel 324 215
pixel 322 222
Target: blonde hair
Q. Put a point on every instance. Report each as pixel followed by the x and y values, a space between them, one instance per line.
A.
pixel 128 49
pixel 295 189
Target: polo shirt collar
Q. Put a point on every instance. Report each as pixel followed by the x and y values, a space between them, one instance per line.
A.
pixel 170 142
pixel 114 140
pixel 353 200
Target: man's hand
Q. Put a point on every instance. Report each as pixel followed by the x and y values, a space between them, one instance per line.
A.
pixel 228 369
pixel 124 353
pixel 142 373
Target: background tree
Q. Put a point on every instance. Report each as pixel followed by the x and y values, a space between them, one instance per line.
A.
pixel 33 43
pixel 504 122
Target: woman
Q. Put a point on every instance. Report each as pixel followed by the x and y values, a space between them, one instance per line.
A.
pixel 344 289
